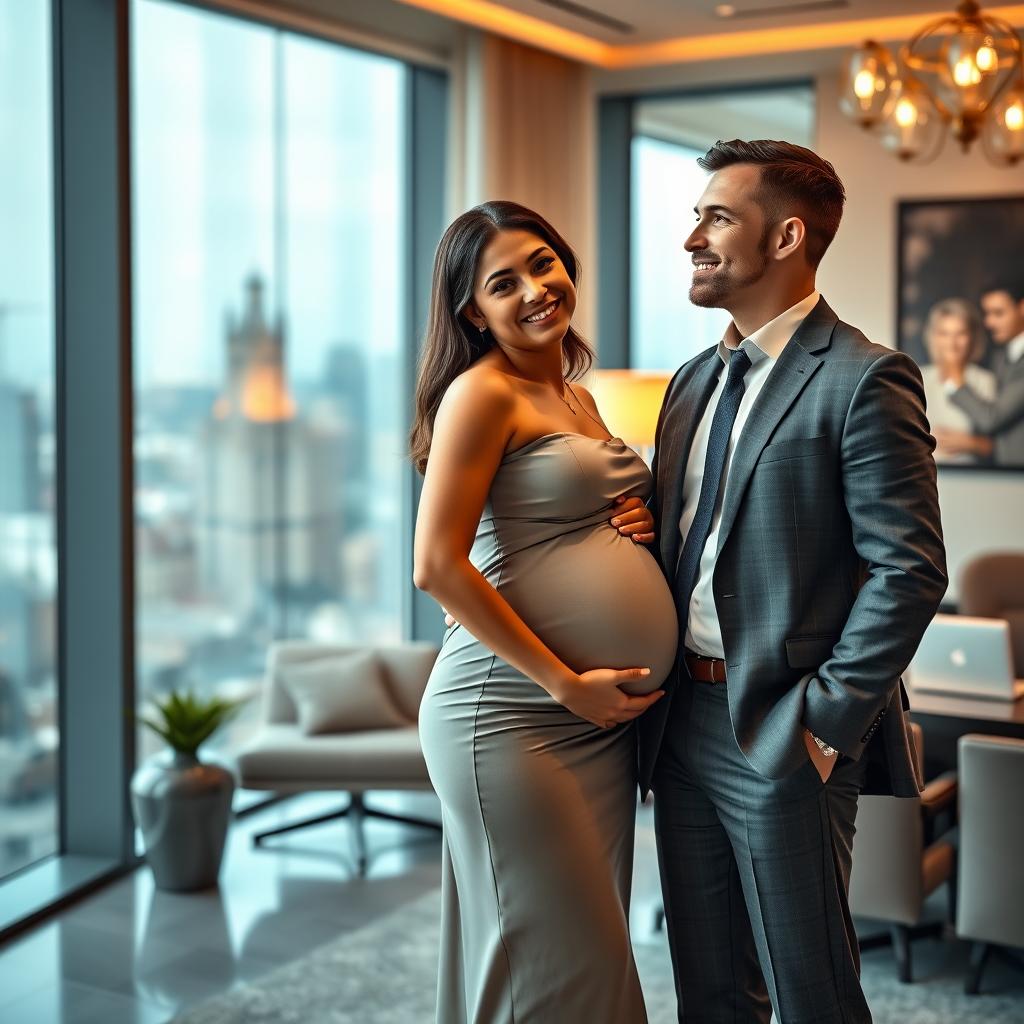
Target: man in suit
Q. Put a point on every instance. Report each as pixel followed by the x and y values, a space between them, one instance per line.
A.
pixel 799 524
pixel 1002 419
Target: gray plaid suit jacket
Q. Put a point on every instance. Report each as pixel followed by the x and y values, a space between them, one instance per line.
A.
pixel 830 561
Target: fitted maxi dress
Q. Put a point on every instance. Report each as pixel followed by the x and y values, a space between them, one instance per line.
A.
pixel 538 805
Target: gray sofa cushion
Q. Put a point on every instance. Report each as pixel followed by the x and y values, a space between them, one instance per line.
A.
pixel 341 693
pixel 281 754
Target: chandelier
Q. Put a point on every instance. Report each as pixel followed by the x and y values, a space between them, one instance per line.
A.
pixel 961 75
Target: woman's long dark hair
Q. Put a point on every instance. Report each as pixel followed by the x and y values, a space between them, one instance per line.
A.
pixel 452 343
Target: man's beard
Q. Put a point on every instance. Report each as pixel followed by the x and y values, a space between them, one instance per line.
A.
pixel 715 292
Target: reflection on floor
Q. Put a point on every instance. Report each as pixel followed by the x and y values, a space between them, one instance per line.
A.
pixel 133 954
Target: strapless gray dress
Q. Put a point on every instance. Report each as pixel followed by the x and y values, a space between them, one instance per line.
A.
pixel 539 805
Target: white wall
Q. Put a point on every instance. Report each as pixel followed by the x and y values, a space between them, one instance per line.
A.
pixel 981 511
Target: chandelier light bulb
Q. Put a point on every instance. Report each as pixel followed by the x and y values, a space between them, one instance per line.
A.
pixel 1014 117
pixel 906 113
pixel 986 59
pixel 864 84
pixel 966 72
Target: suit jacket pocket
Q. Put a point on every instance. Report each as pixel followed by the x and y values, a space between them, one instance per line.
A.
pixel 809 651
pixel 795 448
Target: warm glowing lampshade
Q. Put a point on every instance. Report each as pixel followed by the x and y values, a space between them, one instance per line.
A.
pixel 629 402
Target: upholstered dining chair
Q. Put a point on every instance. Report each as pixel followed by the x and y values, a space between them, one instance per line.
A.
pixel 990 912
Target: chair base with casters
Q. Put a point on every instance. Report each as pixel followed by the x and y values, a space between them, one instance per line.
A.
pixel 357 811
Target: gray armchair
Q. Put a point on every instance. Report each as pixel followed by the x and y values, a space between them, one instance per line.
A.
pixel 898 861
pixel 991 907
pixel 371 744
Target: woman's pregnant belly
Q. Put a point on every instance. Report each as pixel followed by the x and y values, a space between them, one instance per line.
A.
pixel 598 600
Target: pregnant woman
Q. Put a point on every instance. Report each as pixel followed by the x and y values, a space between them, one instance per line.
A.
pixel 565 630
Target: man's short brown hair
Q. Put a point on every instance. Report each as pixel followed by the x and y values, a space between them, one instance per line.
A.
pixel 794 182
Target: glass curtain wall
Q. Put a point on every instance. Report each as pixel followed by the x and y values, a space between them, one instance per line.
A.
pixel 668 136
pixel 29 731
pixel 269 304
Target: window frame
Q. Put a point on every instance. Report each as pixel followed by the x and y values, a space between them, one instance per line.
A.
pixel 94 422
pixel 616 133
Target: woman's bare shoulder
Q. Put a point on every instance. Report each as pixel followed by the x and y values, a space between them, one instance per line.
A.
pixel 480 391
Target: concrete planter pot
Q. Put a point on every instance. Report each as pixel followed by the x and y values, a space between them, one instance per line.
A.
pixel 183 807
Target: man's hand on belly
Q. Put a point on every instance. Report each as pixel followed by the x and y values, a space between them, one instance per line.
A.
pixel 632 518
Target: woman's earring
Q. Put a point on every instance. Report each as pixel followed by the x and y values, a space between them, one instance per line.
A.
pixel 481 328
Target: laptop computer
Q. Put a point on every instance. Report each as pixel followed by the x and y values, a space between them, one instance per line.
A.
pixel 966 657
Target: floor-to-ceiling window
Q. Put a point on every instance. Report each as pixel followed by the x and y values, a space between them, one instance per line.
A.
pixel 669 133
pixel 286 195
pixel 270 316
pixel 29 731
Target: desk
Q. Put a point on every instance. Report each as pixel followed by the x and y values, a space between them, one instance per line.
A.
pixel 944 719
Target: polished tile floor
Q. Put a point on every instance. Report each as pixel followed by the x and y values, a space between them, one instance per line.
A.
pixel 131 954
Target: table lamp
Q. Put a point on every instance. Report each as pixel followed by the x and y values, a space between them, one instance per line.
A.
pixel 629 402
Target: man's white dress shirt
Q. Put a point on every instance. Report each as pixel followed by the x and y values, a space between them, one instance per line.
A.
pixel 763 348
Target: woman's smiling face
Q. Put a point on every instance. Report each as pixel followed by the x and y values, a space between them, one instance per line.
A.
pixel 522 292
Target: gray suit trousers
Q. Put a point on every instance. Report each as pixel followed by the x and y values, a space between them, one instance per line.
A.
pixel 755 873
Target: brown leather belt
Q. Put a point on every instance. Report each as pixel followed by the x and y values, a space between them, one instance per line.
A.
pixel 703 669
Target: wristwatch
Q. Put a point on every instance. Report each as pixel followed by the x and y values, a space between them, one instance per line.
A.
pixel 824 747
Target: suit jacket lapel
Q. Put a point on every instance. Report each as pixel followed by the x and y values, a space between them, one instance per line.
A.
pixel 794 368
pixel 680 425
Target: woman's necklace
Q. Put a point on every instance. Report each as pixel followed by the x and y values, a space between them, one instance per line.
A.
pixel 565 400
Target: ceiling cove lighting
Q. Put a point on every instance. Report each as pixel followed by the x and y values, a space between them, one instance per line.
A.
pixel 962 74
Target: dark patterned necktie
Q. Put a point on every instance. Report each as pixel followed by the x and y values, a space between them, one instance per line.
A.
pixel 714 463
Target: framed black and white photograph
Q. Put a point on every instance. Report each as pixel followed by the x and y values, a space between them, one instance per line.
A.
pixel 960 315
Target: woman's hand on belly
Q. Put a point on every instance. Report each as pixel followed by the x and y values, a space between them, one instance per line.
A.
pixel 596 696
pixel 632 518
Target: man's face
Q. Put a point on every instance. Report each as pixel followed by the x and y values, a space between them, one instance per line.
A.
pixel 1004 318
pixel 729 244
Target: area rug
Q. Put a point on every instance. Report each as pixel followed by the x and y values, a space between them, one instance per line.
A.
pixel 384 974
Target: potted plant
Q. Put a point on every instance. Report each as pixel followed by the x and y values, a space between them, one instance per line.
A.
pixel 182 804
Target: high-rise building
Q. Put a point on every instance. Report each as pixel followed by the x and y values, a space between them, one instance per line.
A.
pixel 268 510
